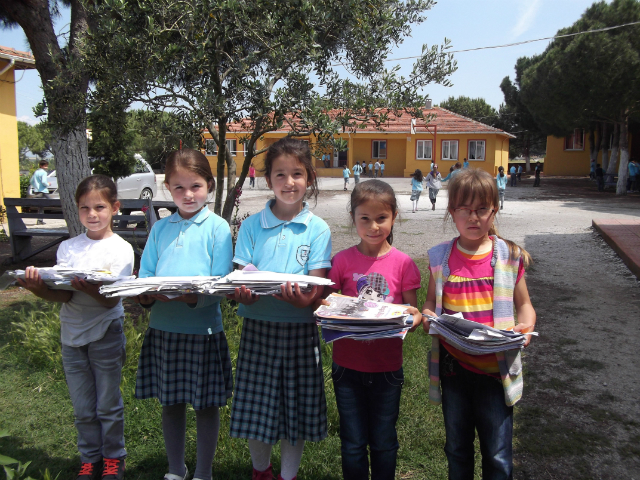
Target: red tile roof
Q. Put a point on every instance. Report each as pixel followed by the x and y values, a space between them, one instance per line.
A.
pixel 446 121
pixel 24 60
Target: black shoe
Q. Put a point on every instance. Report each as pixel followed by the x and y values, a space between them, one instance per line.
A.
pixel 90 471
pixel 113 469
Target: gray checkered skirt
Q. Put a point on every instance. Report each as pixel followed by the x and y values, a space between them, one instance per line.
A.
pixel 279 383
pixel 185 368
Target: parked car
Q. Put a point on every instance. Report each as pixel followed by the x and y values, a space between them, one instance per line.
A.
pixel 140 184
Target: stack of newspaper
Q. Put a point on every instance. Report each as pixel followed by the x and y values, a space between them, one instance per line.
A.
pixel 261 283
pixel 474 338
pixel 59 278
pixel 361 319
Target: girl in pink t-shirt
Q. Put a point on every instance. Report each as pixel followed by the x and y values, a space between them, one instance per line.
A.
pixel 367 375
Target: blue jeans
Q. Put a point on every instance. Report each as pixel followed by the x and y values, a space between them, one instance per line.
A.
pixel 93 374
pixel 368 404
pixel 471 402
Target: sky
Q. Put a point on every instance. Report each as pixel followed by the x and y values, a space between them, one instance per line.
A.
pixel 467 23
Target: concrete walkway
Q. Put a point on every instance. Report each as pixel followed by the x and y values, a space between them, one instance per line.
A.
pixel 623 235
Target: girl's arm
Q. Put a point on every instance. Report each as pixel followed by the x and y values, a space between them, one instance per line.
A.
pixel 429 306
pixel 411 297
pixel 524 309
pixel 34 283
pixel 293 295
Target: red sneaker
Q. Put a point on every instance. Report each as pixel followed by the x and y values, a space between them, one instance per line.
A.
pixel 113 469
pixel 266 475
pixel 90 471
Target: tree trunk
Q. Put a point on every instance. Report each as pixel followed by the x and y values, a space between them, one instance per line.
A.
pixel 623 171
pixel 593 146
pixel 72 167
pixel 527 152
pixel 604 144
pixel 615 146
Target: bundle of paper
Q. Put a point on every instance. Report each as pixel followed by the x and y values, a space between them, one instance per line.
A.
pixel 59 278
pixel 169 286
pixel 474 338
pixel 265 283
pixel 350 317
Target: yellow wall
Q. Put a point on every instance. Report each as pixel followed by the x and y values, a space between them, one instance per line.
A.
pixel 9 159
pixel 558 161
pixel 401 152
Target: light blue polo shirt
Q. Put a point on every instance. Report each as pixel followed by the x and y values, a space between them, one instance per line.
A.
pixel 275 245
pixel 501 181
pixel 346 172
pixel 200 245
pixel 39 181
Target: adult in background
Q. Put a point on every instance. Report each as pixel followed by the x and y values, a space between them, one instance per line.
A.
pixel 376 168
pixel 40 185
pixel 357 170
pixel 382 169
pixel 434 182
pixel 520 173
pixel 536 182
pixel 465 163
pixel 512 172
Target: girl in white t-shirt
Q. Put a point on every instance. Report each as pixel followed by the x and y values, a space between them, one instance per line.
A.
pixel 93 342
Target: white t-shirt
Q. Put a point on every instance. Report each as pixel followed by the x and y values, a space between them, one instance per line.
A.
pixel 83 319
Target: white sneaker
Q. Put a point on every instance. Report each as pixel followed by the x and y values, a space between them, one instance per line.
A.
pixel 171 476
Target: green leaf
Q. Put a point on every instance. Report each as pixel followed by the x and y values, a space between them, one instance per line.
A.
pixel 4 460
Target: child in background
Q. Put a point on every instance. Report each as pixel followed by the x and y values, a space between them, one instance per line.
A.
pixel 482 276
pixel 279 379
pixel 40 185
pixel 367 375
pixel 252 176
pixel 93 342
pixel 382 169
pixel 536 182
pixel 345 173
pixel 185 356
pixel 501 182
pixel 416 188
pixel 370 169
pixel 434 182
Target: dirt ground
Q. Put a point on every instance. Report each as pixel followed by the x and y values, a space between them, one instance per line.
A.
pixel 580 414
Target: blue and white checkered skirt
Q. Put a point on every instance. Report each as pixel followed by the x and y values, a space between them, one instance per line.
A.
pixel 185 368
pixel 279 383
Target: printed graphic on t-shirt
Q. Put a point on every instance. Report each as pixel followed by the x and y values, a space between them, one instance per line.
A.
pixel 302 255
pixel 372 286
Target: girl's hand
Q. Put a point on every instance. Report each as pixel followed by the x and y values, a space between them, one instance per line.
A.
pixel 417 317
pixel 425 323
pixel 244 295
pixel 143 300
pixel 91 289
pixel 33 282
pixel 293 295
pixel 525 328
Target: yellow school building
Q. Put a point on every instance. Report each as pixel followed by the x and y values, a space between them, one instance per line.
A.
pixel 10 61
pixel 403 144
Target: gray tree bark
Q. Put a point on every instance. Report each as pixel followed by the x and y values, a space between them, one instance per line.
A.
pixel 615 147
pixel 623 170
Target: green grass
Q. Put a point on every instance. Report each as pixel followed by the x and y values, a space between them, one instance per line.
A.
pixel 36 410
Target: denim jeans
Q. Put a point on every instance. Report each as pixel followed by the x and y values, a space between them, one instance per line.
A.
pixel 513 179
pixel 368 404
pixel 93 374
pixel 471 402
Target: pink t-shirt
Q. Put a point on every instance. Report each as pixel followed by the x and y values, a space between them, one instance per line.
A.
pixel 252 172
pixel 379 278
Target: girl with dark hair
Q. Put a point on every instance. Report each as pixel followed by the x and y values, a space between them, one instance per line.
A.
pixel 481 276
pixel 367 375
pixel 416 188
pixel 501 182
pixel 185 356
pixel 93 342
pixel 434 182
pixel 279 379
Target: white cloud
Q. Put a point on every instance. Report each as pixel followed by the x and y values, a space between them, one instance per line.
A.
pixel 28 119
pixel 528 12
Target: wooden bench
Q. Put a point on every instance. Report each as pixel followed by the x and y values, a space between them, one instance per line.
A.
pixel 132 228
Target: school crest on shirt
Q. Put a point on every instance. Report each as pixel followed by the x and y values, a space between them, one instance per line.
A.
pixel 302 255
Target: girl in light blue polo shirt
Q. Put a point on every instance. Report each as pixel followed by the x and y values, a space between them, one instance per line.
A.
pixel 185 356
pixel 279 380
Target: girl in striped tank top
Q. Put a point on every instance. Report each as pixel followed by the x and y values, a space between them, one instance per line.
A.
pixel 482 276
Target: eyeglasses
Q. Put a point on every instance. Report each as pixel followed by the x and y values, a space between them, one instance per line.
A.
pixel 482 213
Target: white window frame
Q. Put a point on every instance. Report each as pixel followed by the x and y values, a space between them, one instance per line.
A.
pixel 445 152
pixel 211 147
pixel 377 143
pixel 475 148
pixel 576 133
pixel 424 145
